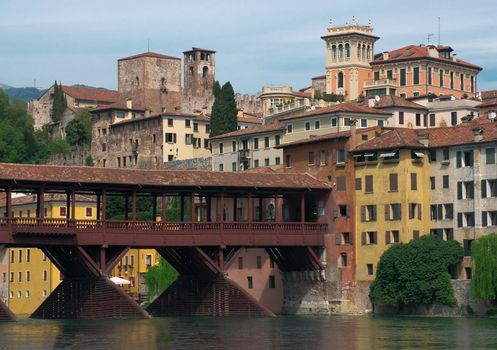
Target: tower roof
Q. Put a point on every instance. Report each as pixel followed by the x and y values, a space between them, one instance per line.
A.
pixel 149 54
pixel 199 49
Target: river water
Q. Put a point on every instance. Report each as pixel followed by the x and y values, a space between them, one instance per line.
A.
pixel 285 332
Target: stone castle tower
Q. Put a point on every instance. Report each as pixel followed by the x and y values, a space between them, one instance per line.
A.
pixel 199 76
pixel 151 80
pixel 349 49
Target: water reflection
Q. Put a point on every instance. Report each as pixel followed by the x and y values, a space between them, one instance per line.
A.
pixel 334 332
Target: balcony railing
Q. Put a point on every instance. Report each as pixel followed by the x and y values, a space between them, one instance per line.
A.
pixel 381 82
pixel 37 225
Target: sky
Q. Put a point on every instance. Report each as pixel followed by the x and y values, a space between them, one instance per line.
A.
pixel 258 43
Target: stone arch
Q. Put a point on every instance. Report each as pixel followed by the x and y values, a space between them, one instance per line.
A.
pixel 340 52
pixel 205 71
pixel 340 78
pixel 347 50
pixel 334 52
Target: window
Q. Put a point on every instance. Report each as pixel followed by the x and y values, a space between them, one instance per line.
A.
pixel 104 147
pixel 369 268
pixel 19 276
pixel 488 188
pixel 311 158
pixel 490 155
pixel 415 235
pixel 288 161
pixel 170 137
pixel 394 186
pixel 12 256
pixel 369 238
pixel 233 167
pixel 170 122
pixel 323 158
pixel 401 118
pixel 206 143
pixel 256 143
pixel 11 277
pixel 89 212
pixel 188 139
pixel 415 75
pixel 317 124
pixel 277 140
pixel 334 122
pixel 277 160
pixel 233 146
pixel 250 282
pixel 441 78
pixel 364 123
pixel 432 182
pixel 207 128
pixel 432 119
pixel 289 129
pixel 195 127
pixel 393 211
pixel 221 148
pixel 429 76
pixel 392 237
pixel 368 179
pixel 466 219
pixel 266 142
pixel 62 211
pixel 402 77
pixel 259 262
pixel 343 260
pixel 44 293
pixel 465 190
pixel 256 163
pixel 389 74
pixel 20 256
pixel 418 119
pixel 358 184
pixel 19 294
pixel 376 76
pixel 266 162
pixel 341 156
pixel 464 159
pixel 340 80
pixel 272 282
pixel 414 182
pixel 445 181
pixel 415 211
pixel 341 183
pixel 343 211
pixel 148 260
pixel 188 123
pixel 380 123
pixel 368 213
pixel 446 234
pixel 343 238
pixel 472 83
pixel 307 126
pixel 453 118
pixel 489 218
pixel 452 80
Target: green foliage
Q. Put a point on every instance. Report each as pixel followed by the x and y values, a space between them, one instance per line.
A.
pixel 57 146
pixel 333 97
pixel 89 161
pixel 115 208
pixel 484 255
pixel 216 89
pixel 491 312
pixel 78 130
pixel 159 277
pixel 416 273
pixel 318 95
pixel 25 93
pixel 59 102
pixel 224 113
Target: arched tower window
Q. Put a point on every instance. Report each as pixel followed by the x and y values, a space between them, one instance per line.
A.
pixel 340 52
pixel 202 56
pixel 137 81
pixel 359 51
pixel 334 52
pixel 363 52
pixel 205 71
pixel 347 50
pixel 369 52
pixel 163 82
pixel 191 70
pixel 340 80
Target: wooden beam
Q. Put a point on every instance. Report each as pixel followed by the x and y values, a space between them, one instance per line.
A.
pixel 164 208
pixel 133 206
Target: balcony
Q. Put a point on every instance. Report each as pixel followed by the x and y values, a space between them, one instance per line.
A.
pixel 244 153
pixel 380 83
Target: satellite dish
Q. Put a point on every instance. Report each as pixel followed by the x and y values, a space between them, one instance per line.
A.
pixel 377 98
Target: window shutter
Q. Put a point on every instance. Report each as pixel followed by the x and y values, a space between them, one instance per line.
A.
pixel 400 212
pixel 174 138
pixel 450 235
pixel 459 159
pixel 338 238
pixel 419 211
pixel 375 238
pixel 411 211
pixel 484 218
pixel 483 188
pixel 387 237
pixel 334 155
pixel 459 219
pixel 358 184
pixel 414 181
pixel 472 190
pixel 363 238
pixel 440 211
pixel 459 190
pixel 363 213
pixel 387 211
pixel 470 158
pixel 415 235
pixel 374 212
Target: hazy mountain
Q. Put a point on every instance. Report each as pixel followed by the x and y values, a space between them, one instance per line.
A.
pixel 3 86
pixel 25 93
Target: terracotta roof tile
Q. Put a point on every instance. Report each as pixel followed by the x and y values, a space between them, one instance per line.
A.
pixel 253 130
pixel 49 197
pixel 317 138
pixel 414 52
pixel 392 138
pixel 91 94
pixel 319 77
pixel 485 95
pixel 462 134
pixel 120 106
pixel 492 102
pixel 150 54
pixel 249 119
pixel 346 107
pixel 396 101
pixel 166 179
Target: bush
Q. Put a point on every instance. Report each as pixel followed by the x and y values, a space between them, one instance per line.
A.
pixel 416 273
pixel 484 281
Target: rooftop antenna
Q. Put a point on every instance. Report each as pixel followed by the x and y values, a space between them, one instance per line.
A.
pixel 35 83
pixel 438 30
pixel 428 38
pixel 148 45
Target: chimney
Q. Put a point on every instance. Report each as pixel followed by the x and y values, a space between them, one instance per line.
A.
pixel 423 139
pixel 477 135
pixel 129 103
pixel 454 57
pixel 353 134
pixel 147 113
pixel 386 55
pixel 371 102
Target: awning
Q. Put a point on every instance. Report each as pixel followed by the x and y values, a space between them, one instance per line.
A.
pixel 120 281
pixel 389 154
pixel 369 155
pixel 419 154
pixel 357 155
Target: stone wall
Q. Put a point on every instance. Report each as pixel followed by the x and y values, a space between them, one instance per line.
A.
pixel 190 164
pixel 248 103
pixel 74 158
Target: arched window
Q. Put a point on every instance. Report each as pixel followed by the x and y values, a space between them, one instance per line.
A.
pixel 369 52
pixel 191 70
pixel 163 82
pixel 359 51
pixel 270 211
pixel 363 52
pixel 347 50
pixel 340 52
pixel 202 56
pixel 137 81
pixel 205 71
pixel 334 52
pixel 340 80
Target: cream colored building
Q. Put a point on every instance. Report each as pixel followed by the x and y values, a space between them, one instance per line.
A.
pixel 276 99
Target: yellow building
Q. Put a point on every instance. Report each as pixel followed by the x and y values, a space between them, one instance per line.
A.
pixel 392 196
pixel 133 267
pixel 28 276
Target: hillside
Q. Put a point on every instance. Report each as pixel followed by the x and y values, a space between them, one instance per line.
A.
pixel 26 93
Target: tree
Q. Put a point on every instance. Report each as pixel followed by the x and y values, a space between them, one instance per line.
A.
pixel 78 130
pixel 484 255
pixel 159 277
pixel 59 102
pixel 216 89
pixel 224 113
pixel 416 273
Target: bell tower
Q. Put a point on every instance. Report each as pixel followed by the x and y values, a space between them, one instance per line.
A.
pixel 349 49
pixel 199 72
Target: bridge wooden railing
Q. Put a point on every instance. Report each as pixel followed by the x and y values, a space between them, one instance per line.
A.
pixel 37 224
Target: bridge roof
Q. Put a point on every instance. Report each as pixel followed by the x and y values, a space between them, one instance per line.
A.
pixel 38 175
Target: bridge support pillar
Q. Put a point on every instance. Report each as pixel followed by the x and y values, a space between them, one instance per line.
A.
pixel 5 313
pixel 203 289
pixel 86 290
